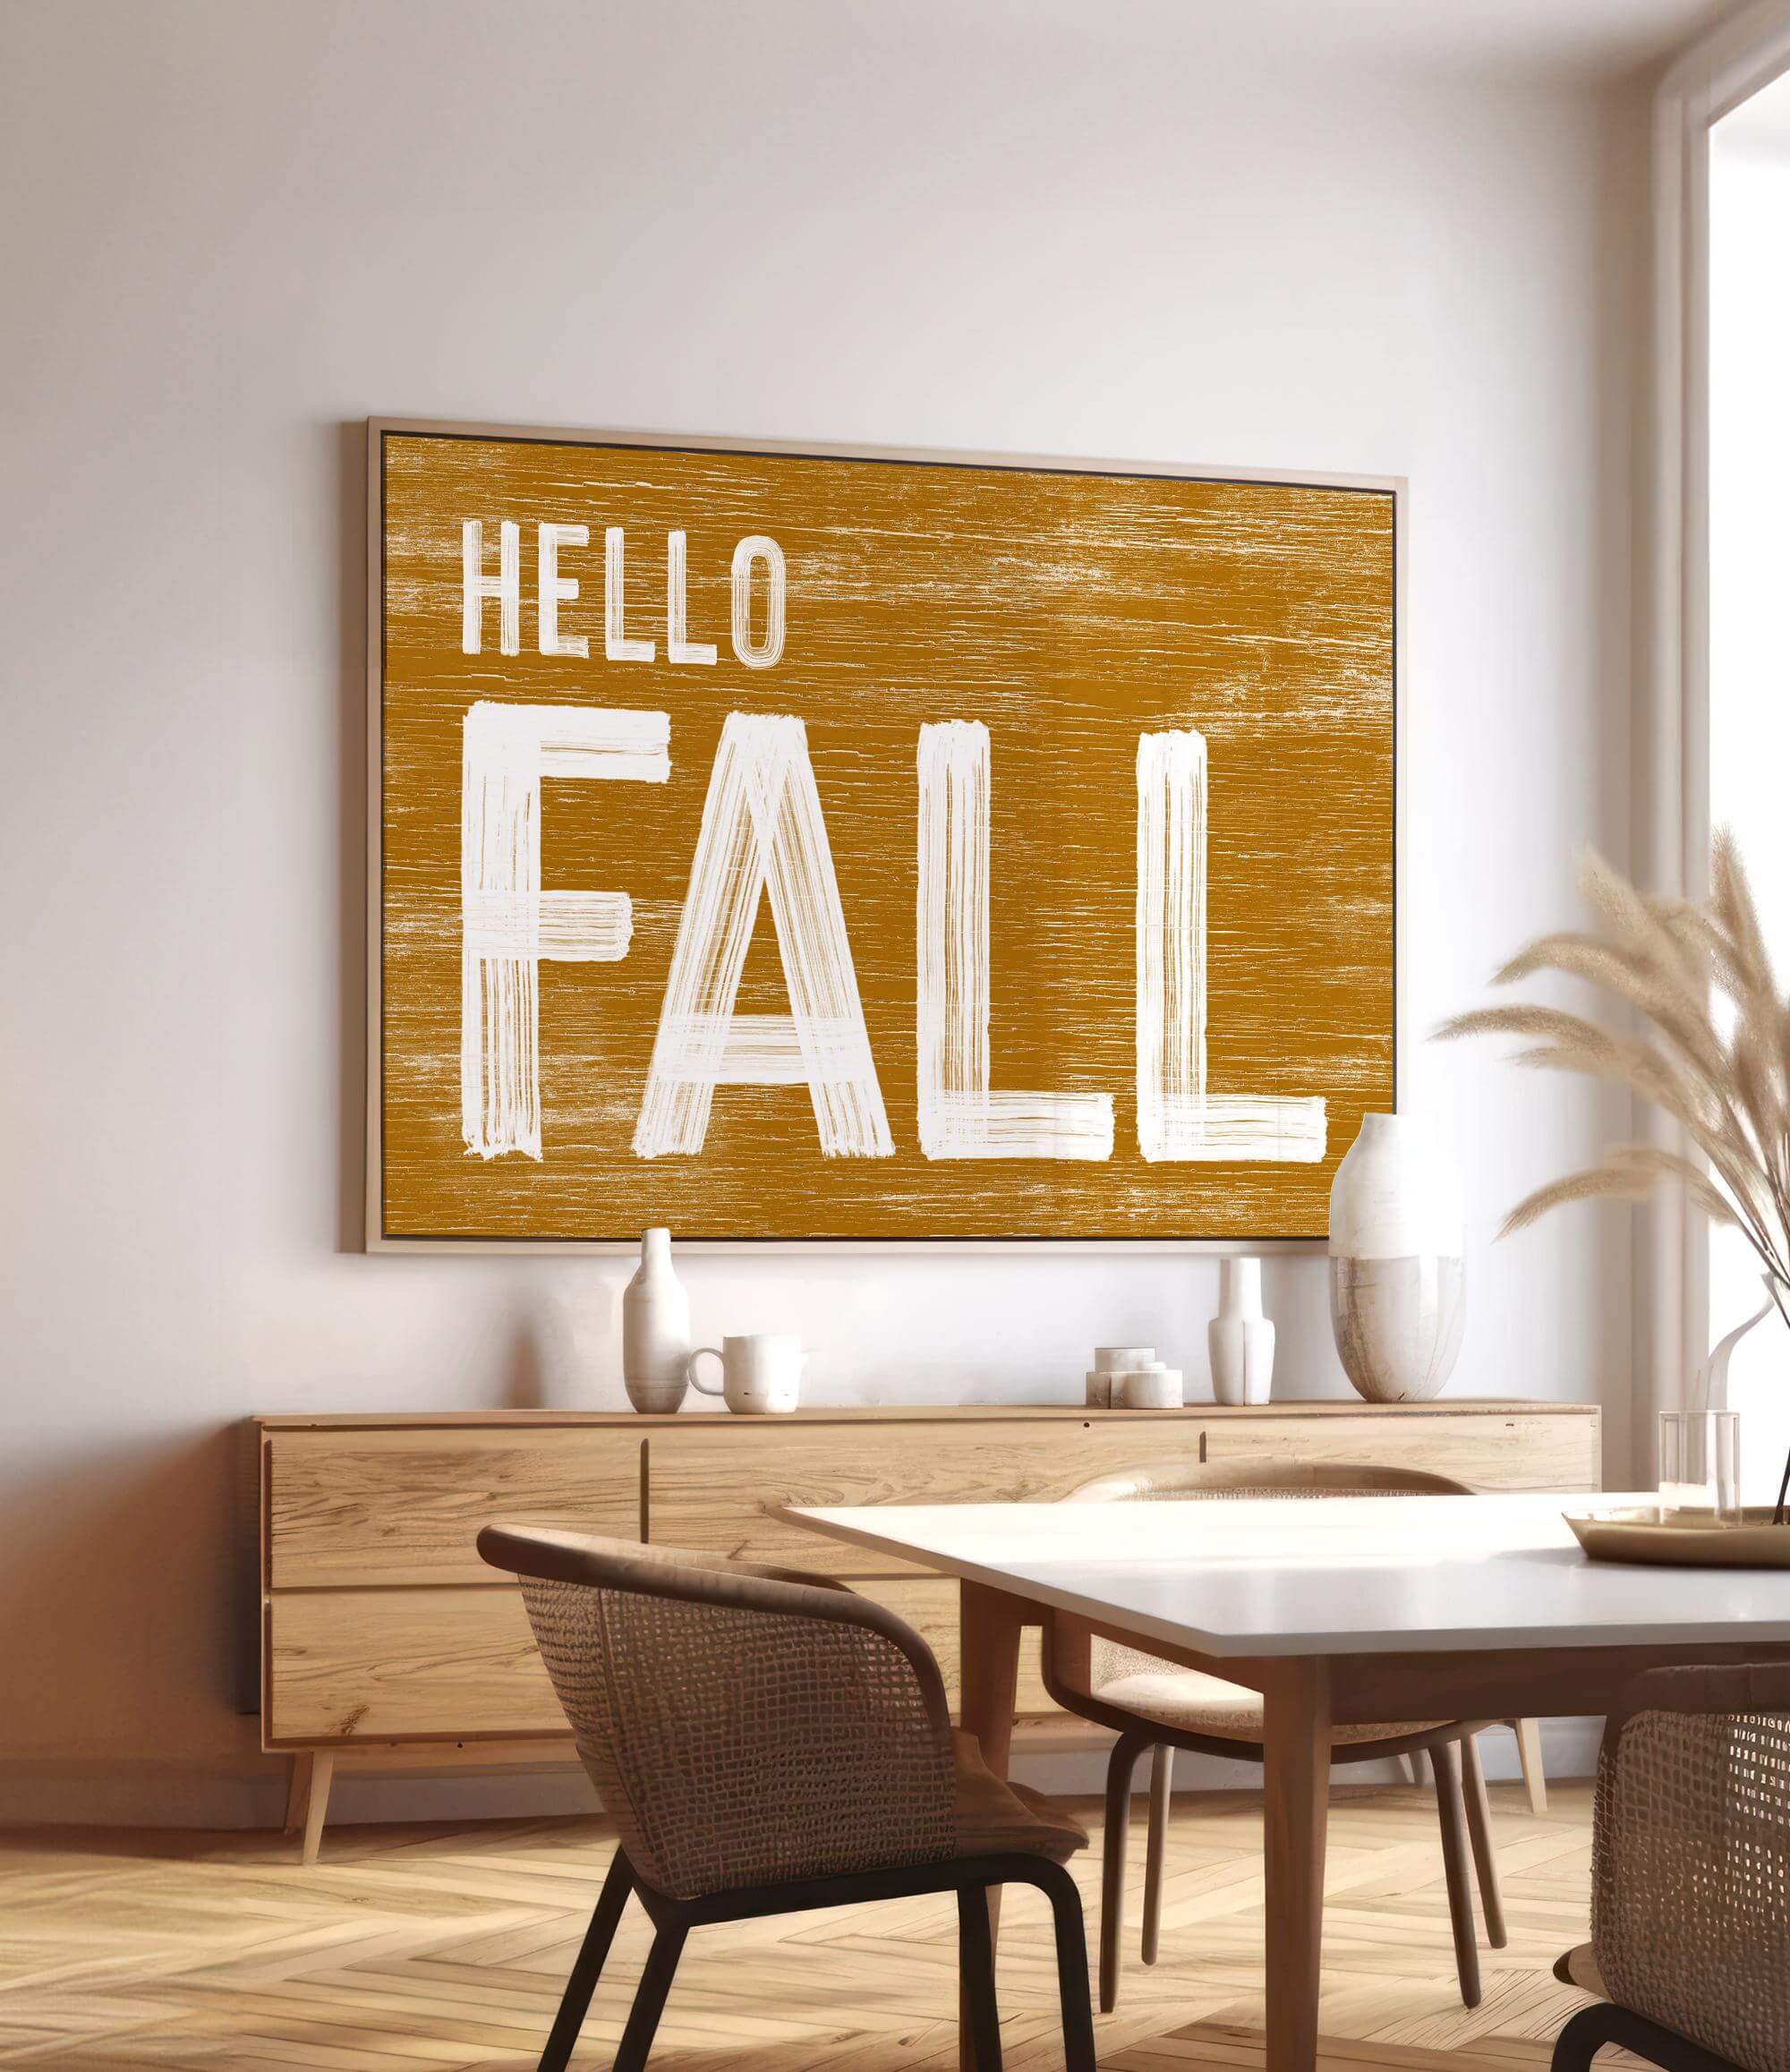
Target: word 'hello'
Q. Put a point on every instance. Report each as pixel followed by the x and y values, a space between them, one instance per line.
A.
pixel 753 555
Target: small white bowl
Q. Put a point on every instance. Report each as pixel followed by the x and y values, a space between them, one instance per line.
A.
pixel 1148 1388
pixel 1123 1359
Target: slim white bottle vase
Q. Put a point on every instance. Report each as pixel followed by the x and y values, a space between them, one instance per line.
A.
pixel 655 1329
pixel 1239 1338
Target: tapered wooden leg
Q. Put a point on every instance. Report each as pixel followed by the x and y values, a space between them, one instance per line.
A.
pixel 1445 1760
pixel 649 1999
pixel 1122 1767
pixel 1296 1763
pixel 297 1792
pixel 1479 1833
pixel 1162 1784
pixel 976 1962
pixel 576 2002
pixel 1409 1768
pixel 317 1804
pixel 989 1624
pixel 1529 1751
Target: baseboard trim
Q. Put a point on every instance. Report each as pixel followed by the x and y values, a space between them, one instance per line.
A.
pixel 235 1795
pixel 232 1793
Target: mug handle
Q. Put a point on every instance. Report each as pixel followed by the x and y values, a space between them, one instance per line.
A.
pixel 694 1380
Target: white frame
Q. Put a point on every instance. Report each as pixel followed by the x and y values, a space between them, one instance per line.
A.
pixel 1708 81
pixel 374 1239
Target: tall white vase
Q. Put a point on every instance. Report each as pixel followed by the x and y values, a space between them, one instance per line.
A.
pixel 655 1329
pixel 1240 1339
pixel 1398 1275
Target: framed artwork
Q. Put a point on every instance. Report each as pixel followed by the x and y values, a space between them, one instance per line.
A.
pixel 801 845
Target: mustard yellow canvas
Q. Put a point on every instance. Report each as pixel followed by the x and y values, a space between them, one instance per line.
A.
pixel 794 846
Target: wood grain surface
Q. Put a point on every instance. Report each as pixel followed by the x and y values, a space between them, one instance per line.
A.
pixel 1519 1451
pixel 382 1622
pixel 1068 612
pixel 719 1490
pixel 372 1664
pixel 444 1949
pixel 353 1506
pixel 379 1664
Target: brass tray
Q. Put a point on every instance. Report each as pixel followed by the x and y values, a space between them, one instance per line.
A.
pixel 1684 1539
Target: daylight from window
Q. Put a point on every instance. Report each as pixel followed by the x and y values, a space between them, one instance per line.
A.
pixel 1750 643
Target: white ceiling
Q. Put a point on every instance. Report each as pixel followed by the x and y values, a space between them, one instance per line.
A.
pixel 1760 127
pixel 1575 38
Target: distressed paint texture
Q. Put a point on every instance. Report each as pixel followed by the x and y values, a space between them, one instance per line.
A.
pixel 1070 614
pixel 1178 1115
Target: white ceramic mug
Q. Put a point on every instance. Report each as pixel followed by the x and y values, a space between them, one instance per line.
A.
pixel 760 1371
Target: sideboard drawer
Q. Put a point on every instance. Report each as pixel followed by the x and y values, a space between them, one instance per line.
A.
pixel 379 1665
pixel 384 1665
pixel 1506 1450
pixel 713 1485
pixel 349 1507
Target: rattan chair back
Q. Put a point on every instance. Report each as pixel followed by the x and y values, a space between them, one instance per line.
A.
pixel 1690 1863
pixel 743 1726
pixel 1238 1479
pixel 1179 1480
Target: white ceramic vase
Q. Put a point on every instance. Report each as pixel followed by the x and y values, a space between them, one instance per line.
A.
pixel 655 1329
pixel 1240 1339
pixel 1398 1276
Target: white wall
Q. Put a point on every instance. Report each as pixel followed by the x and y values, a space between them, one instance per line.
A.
pixel 232 230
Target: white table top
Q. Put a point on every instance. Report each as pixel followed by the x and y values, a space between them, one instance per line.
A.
pixel 1348 1575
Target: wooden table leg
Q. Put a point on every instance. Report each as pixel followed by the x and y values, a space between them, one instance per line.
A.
pixel 989 1623
pixel 1296 1763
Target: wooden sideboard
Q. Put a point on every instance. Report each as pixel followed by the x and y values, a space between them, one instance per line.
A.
pixel 385 1639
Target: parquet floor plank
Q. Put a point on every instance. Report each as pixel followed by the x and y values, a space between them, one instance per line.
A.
pixel 443 1949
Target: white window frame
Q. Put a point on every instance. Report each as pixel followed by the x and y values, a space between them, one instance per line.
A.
pixel 1671 732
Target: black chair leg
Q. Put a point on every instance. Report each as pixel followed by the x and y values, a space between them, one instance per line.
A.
pixel 1121 1767
pixel 1592 2028
pixel 1580 2041
pixel 975 1958
pixel 1071 1937
pixel 576 2002
pixel 649 1999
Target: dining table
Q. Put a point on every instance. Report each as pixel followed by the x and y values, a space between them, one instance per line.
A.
pixel 1354 1610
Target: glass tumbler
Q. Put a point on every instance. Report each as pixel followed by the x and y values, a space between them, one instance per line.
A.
pixel 1699 1463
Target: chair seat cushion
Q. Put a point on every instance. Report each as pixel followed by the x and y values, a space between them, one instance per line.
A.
pixel 996 1819
pixel 1202 1704
pixel 1579 1968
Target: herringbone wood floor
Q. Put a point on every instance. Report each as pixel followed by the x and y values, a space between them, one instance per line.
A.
pixel 414 1949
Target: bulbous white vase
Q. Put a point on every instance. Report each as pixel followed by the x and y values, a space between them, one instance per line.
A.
pixel 1240 1339
pixel 655 1329
pixel 1398 1275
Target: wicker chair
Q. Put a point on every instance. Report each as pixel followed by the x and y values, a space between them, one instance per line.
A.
pixel 1690 1944
pixel 768 1742
pixel 1155 1704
